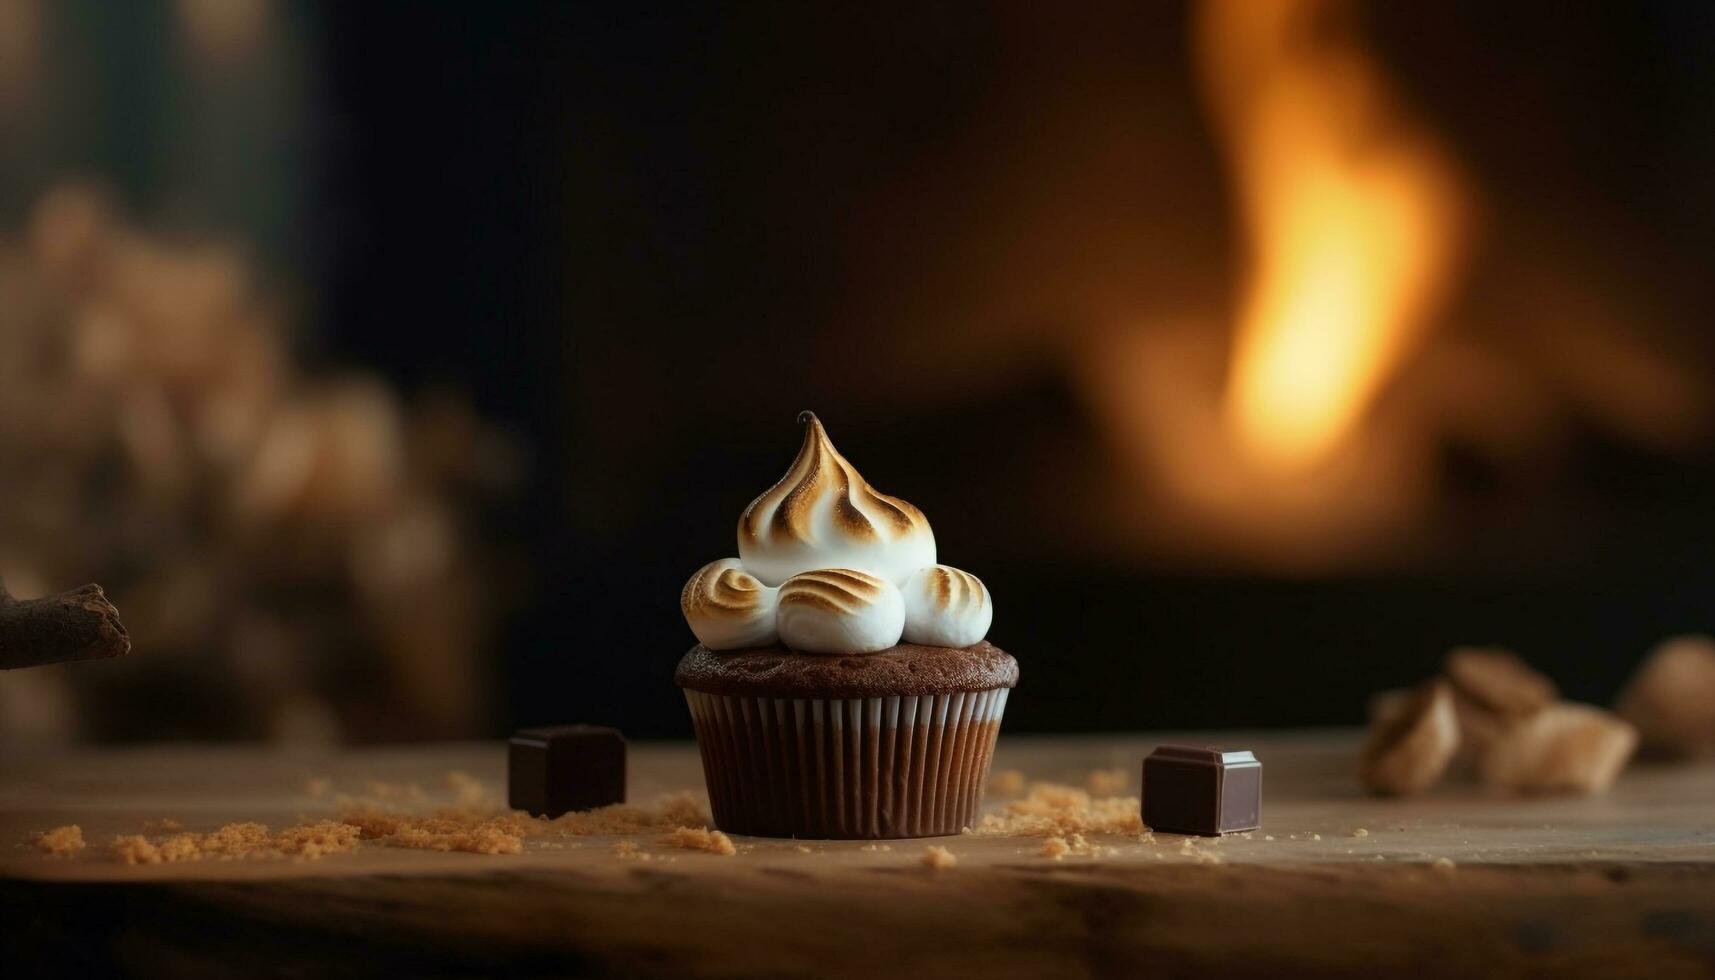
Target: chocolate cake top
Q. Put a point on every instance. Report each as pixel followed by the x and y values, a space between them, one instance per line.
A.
pixel 902 670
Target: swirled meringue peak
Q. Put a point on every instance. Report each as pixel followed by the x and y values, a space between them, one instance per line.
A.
pixel 822 514
pixel 728 608
pixel 840 610
pixel 946 607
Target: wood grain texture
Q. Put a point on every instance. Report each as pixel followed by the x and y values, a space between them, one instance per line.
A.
pixel 1620 884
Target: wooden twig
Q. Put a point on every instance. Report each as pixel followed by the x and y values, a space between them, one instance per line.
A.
pixel 76 625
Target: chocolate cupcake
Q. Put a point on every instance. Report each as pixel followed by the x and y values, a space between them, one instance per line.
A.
pixel 813 718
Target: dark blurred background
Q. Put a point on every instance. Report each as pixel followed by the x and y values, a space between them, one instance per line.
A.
pixel 394 364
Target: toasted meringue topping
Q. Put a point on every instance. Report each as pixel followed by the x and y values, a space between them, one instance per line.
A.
pixel 728 608
pixel 840 610
pixel 823 514
pixel 946 607
pixel 855 569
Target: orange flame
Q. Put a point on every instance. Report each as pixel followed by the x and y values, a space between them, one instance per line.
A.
pixel 1352 216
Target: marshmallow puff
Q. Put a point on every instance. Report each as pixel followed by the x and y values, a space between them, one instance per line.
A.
pixel 946 607
pixel 728 608
pixel 839 610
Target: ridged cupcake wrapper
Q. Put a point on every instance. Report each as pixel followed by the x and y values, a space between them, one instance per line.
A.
pixel 863 768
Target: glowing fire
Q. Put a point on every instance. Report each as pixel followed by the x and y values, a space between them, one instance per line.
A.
pixel 1351 214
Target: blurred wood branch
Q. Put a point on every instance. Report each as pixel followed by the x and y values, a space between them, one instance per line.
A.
pixel 76 625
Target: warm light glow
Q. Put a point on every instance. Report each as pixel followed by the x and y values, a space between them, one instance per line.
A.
pixel 1351 216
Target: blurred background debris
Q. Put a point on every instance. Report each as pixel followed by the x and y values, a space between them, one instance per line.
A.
pixel 294 552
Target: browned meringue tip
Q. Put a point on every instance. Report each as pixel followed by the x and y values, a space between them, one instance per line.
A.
pixel 818 470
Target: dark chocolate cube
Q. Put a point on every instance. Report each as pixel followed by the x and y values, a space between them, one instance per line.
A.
pixel 555 770
pixel 1202 791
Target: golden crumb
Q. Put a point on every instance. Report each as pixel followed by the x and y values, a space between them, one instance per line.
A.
pixel 876 847
pixel 479 826
pixel 1007 782
pixel 938 858
pixel 699 839
pixel 668 812
pixel 625 848
pixel 135 849
pixel 1360 832
pixel 515 822
pixel 1268 837
pixel 1108 782
pixel 453 833
pixel 801 849
pixel 236 841
pixel 313 840
pixel 1444 865
pixel 180 847
pixel 1074 845
pixel 475 831
pixel 61 841
pixel 231 840
pixel 1055 810
pixel 397 815
pixel 1315 836
pixel 474 840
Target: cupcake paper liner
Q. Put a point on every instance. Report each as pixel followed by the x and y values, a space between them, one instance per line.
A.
pixel 852 768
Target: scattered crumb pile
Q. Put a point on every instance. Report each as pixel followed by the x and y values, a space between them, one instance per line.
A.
pixel 484 829
pixel 876 848
pixel 239 840
pixel 666 814
pixel 939 858
pixel 1108 782
pixel 684 838
pixel 446 829
pixel 60 841
pixel 1074 845
pixel 1007 782
pixel 1057 810
pixel 699 839
pixel 401 815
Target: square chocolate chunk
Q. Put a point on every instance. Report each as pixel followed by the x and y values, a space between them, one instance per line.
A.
pixel 1204 791
pixel 555 770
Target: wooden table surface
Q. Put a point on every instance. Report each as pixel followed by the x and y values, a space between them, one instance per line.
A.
pixel 1621 883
